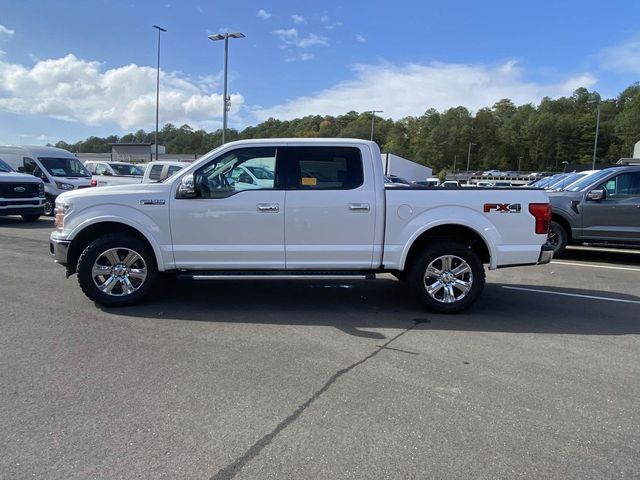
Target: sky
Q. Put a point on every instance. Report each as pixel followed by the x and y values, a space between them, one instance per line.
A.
pixel 71 69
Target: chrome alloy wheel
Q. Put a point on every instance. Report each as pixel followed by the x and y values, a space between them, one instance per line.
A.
pixel 119 272
pixel 448 279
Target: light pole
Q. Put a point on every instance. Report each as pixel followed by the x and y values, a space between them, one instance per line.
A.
pixel 469 156
pixel 226 101
pixel 160 29
pixel 595 145
pixel 373 118
pixel 455 159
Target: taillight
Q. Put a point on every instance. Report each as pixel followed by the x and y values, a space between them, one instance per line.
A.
pixel 94 183
pixel 542 214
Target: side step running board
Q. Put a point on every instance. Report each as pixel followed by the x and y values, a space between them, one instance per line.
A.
pixel 275 275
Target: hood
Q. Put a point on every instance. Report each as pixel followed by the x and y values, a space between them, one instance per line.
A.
pixel 18 177
pixel 103 193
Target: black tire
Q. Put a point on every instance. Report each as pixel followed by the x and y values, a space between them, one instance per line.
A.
pixel 49 205
pixel 557 238
pixel 119 275
pixel 456 286
pixel 30 218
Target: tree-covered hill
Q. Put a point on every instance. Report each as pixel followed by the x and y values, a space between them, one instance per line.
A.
pixel 505 135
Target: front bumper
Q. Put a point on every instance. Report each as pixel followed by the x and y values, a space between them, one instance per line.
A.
pixel 546 254
pixel 59 249
pixel 23 210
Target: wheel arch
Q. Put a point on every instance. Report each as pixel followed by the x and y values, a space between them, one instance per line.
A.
pixel 85 236
pixel 445 233
pixel 556 217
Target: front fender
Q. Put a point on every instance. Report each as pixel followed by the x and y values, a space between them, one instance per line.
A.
pixel 157 235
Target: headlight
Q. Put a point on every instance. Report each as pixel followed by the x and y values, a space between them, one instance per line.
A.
pixel 64 186
pixel 41 189
pixel 62 208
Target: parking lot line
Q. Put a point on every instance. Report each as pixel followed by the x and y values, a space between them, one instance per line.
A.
pixel 593 297
pixel 596 266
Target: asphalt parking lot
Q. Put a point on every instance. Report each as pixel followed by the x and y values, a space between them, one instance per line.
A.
pixel 322 380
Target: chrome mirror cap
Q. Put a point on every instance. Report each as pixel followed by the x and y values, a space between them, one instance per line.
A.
pixel 186 189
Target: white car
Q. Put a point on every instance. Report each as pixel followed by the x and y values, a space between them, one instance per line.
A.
pixel 114 173
pixel 160 170
pixel 60 170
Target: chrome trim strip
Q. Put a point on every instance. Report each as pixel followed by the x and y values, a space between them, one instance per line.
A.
pixel 279 277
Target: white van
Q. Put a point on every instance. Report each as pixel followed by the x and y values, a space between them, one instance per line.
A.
pixel 59 169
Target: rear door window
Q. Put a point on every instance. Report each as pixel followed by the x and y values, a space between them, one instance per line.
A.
pixel 325 168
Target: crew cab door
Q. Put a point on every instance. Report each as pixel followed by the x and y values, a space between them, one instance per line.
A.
pixel 228 225
pixel 330 213
pixel 616 217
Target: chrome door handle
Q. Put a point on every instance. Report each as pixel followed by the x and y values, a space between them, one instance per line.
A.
pixel 359 207
pixel 268 207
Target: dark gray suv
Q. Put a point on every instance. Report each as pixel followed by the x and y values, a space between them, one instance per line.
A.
pixel 601 208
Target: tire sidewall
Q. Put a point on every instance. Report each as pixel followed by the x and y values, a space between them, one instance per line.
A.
pixel 49 201
pixel 97 248
pixel 561 236
pixel 416 277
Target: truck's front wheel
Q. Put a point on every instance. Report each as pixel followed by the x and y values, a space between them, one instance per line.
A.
pixel 117 270
pixel 448 277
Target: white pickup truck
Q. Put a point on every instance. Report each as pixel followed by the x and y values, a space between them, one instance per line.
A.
pixel 106 174
pixel 325 214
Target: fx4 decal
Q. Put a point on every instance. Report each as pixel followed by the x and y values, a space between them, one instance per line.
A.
pixel 502 207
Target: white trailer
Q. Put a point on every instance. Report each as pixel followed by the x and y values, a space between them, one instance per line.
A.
pixel 401 167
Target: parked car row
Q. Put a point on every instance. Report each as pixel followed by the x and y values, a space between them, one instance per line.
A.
pixel 601 206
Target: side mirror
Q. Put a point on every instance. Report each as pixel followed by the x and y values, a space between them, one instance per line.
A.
pixel 187 188
pixel 596 195
pixel 21 169
pixel 107 173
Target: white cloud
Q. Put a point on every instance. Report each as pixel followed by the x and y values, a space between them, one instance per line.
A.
pixel 298 19
pixel 305 57
pixel 263 14
pixel 77 90
pixel 291 37
pixel 5 31
pixel 360 38
pixel 333 25
pixel 623 57
pixel 402 90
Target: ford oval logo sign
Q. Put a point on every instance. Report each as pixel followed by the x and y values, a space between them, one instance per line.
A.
pixel 19 189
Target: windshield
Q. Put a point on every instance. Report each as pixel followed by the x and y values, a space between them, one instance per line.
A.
pixel 261 173
pixel 4 167
pixel 563 182
pixel 64 167
pixel 126 169
pixel 586 181
pixel 547 181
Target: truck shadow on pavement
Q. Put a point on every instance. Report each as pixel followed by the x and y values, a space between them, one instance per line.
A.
pixel 357 306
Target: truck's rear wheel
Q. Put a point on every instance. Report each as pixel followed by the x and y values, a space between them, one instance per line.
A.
pixel 116 270
pixel 448 277
pixel 557 238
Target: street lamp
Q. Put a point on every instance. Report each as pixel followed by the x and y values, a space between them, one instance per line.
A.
pixel 160 29
pixel 226 101
pixel 469 156
pixel 373 118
